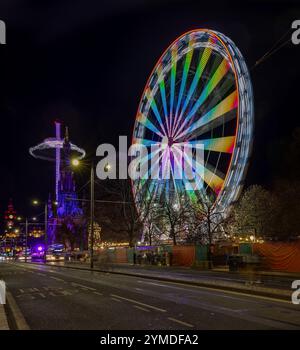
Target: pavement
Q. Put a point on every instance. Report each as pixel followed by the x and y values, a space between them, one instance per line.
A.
pixel 261 283
pixel 3 319
pixel 58 298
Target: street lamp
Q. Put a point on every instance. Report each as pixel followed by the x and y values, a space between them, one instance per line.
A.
pixel 36 202
pixel 26 234
pixel 75 162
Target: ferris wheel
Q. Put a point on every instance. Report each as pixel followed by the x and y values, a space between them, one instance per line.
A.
pixel 199 94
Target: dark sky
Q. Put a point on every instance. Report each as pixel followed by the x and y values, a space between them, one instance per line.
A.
pixel 86 62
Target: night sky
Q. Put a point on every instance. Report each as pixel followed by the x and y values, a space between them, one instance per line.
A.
pixel 86 63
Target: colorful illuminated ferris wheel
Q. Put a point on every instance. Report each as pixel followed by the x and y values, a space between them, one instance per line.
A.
pixel 199 94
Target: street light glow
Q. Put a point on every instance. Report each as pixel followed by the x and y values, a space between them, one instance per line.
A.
pixel 107 167
pixel 75 162
pixel 35 202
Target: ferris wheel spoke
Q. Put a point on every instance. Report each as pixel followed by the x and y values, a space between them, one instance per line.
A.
pixel 162 89
pixel 186 68
pixel 197 183
pixel 149 156
pixel 200 68
pixel 214 181
pixel 173 80
pixel 142 119
pixel 225 106
pixel 213 82
pixel 145 142
pixel 219 144
pixel 153 105
pixel 161 155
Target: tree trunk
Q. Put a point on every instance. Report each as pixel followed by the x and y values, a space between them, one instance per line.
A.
pixel 173 235
pixel 210 243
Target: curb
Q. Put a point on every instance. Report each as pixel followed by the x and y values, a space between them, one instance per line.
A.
pixel 14 314
pixel 253 290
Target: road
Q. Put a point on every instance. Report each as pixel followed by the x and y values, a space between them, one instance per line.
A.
pixel 58 298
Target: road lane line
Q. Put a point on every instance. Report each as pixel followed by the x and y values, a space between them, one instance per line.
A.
pixel 181 322
pixel 226 291
pixel 115 299
pixel 141 308
pixel 97 293
pixel 56 278
pixel 139 303
pixel 41 274
pixel 82 286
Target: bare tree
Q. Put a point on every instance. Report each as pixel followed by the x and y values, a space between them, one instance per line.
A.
pixel 206 224
pixel 130 208
pixel 153 224
pixel 175 214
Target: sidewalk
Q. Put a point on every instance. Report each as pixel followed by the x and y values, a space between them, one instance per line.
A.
pixel 3 319
pixel 262 283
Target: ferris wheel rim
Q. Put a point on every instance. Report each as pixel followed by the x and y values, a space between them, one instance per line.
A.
pixel 236 62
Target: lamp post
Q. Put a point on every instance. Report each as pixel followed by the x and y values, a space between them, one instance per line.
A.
pixel 92 214
pixel 26 238
pixel 26 224
pixel 36 202
pixel 76 163
pixel 46 233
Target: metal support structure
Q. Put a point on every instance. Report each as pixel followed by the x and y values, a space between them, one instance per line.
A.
pixel 46 229
pixel 57 158
pixel 26 238
pixel 92 215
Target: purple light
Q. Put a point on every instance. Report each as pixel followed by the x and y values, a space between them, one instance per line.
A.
pixel 40 248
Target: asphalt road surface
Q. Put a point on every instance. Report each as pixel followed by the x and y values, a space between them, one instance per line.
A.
pixel 53 298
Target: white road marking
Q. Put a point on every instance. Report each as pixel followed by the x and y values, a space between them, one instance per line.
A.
pixel 42 295
pixel 115 299
pixel 139 303
pixel 41 274
pixel 98 293
pixel 141 308
pixel 56 278
pixel 82 286
pixel 221 291
pixel 181 322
